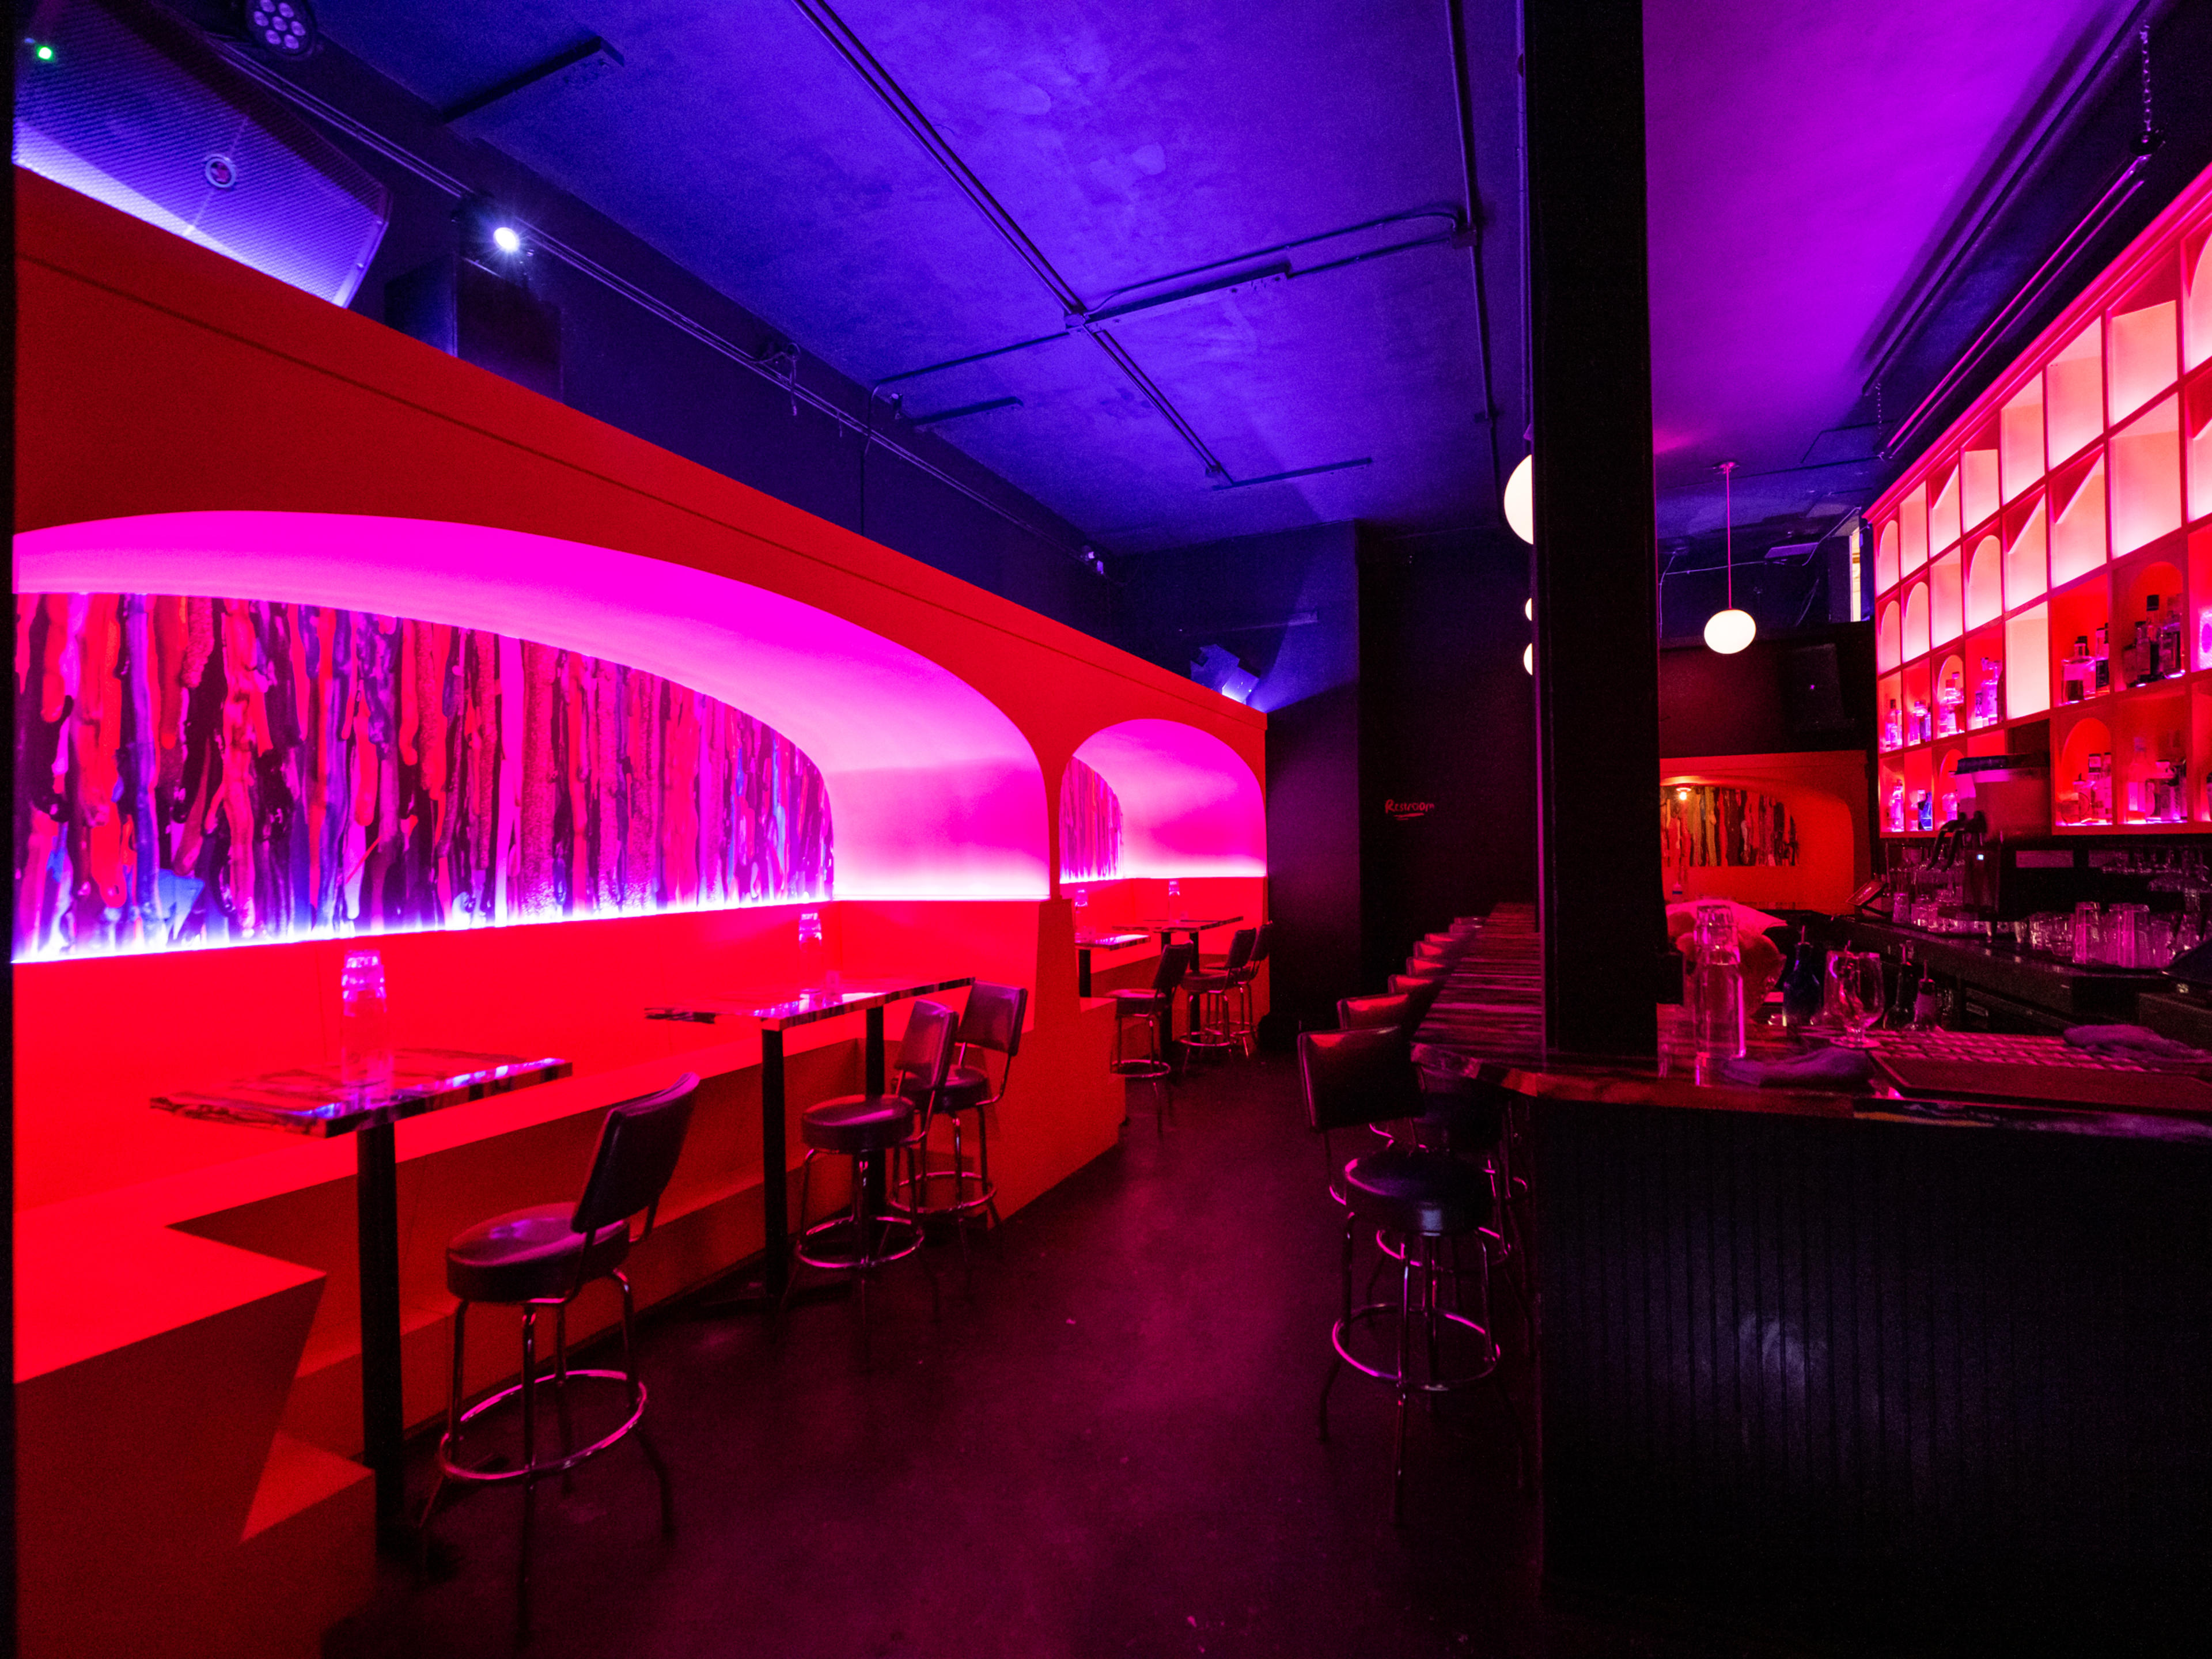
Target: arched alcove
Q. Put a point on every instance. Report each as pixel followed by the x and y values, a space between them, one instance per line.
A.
pixel 1189 804
pixel 934 792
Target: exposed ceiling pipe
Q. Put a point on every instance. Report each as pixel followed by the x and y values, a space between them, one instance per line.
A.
pixel 850 46
pixel 779 365
pixel 1464 104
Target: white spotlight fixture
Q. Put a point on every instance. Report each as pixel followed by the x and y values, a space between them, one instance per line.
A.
pixel 1728 631
pixel 506 238
pixel 1529 609
pixel 1521 499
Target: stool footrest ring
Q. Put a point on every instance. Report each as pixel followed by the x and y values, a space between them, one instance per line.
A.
pixel 813 1246
pixel 1373 1310
pixel 544 1466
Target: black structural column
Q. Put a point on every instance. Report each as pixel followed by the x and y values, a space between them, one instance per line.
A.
pixel 1597 658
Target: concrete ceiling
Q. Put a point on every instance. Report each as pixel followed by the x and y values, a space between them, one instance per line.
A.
pixel 1809 160
pixel 1128 144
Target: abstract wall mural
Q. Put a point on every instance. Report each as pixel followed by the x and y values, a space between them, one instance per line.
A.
pixel 1711 825
pixel 202 771
pixel 1090 826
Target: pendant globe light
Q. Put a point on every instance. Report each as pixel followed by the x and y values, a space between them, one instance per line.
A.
pixel 1521 499
pixel 1728 631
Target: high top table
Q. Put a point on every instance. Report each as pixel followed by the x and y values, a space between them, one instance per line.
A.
pixel 775 1018
pixel 315 1100
pixel 1167 928
pixel 1086 943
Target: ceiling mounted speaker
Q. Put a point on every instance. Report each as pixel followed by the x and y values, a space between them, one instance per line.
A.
pixel 131 108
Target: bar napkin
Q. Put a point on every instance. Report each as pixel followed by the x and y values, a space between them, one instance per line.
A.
pixel 2136 1042
pixel 1820 1068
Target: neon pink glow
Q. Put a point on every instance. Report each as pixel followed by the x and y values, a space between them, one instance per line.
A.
pixel 935 793
pixel 1190 806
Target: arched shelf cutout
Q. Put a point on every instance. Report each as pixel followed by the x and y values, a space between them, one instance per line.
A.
pixel 1188 804
pixel 934 793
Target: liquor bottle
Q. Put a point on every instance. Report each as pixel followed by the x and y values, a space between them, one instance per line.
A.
pixel 1921 732
pixel 1986 693
pixel 1949 694
pixel 2100 658
pixel 2073 677
pixel 1802 987
pixel 1950 807
pixel 365 1061
pixel 2170 661
pixel 1715 988
pixel 1923 808
pixel 1896 809
pixel 1892 727
pixel 1926 1005
pixel 2137 791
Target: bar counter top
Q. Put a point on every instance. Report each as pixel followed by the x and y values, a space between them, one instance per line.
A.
pixel 1487 1024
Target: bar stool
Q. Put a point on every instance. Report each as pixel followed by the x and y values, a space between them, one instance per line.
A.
pixel 1244 1026
pixel 1212 987
pixel 1373 1013
pixel 991 1025
pixel 873 1131
pixel 1423 1199
pixel 1156 1009
pixel 543 1257
pixel 1472 1118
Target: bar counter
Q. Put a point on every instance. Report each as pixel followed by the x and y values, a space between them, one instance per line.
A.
pixel 1803 1358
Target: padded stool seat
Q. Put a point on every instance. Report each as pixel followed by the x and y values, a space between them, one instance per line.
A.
pixel 529 1255
pixel 1402 1190
pixel 966 1087
pixel 857 1123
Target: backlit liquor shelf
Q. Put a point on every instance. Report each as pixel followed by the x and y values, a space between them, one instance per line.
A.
pixel 2048 560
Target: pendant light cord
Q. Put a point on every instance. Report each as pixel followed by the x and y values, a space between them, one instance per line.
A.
pixel 1727 527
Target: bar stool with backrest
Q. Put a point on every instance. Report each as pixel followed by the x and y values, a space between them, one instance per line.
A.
pixel 1212 987
pixel 543 1257
pixel 1156 1008
pixel 875 1131
pixel 991 1025
pixel 1420 1198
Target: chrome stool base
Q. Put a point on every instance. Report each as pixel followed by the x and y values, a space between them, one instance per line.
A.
pixel 832 1246
pixel 450 1470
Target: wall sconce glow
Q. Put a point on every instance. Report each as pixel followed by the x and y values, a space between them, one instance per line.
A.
pixel 1728 631
pixel 505 239
pixel 1521 499
pixel 1528 659
pixel 1529 609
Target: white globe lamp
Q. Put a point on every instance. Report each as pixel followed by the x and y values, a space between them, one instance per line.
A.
pixel 1521 499
pixel 1728 631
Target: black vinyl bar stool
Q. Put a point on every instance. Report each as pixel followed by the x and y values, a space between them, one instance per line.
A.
pixel 991 1025
pixel 875 1131
pixel 1213 986
pixel 1155 1009
pixel 1244 1025
pixel 1425 1200
pixel 543 1257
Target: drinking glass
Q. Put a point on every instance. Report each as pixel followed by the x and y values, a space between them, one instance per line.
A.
pixel 1856 979
pixel 365 1060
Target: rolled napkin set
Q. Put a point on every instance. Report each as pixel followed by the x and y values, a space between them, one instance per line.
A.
pixel 1818 1068
pixel 2138 1043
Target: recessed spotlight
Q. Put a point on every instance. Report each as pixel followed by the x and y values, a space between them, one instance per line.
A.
pixel 506 238
pixel 43 52
pixel 281 28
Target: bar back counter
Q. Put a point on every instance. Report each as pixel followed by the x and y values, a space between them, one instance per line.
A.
pixel 1904 1368
pixel 326 634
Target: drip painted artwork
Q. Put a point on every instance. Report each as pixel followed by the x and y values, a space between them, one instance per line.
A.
pixel 1710 825
pixel 1090 826
pixel 204 771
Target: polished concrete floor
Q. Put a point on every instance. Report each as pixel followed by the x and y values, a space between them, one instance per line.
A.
pixel 1107 1447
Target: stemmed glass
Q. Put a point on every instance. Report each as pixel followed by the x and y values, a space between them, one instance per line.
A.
pixel 1855 980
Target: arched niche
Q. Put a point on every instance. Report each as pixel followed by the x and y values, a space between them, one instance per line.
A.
pixel 935 794
pixel 1189 806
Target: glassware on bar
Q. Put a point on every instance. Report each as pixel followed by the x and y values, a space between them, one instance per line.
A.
pixel 1716 984
pixel 1856 977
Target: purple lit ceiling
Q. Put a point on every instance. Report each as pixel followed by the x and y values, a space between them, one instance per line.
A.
pixel 1129 142
pixel 1809 164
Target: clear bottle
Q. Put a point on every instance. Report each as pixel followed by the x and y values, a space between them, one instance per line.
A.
pixel 1896 809
pixel 1716 985
pixel 1986 693
pixel 814 972
pixel 1174 900
pixel 2170 661
pixel 2074 676
pixel 365 1066
pixel 2100 663
pixel 1892 727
